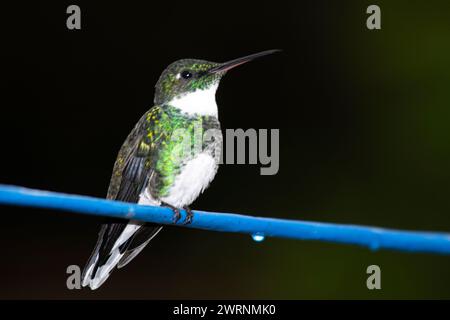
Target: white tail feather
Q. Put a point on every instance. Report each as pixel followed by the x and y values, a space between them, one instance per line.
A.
pixel 104 271
pixel 115 257
pixel 132 254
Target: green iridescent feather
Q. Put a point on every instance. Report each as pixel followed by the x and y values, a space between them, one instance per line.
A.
pixel 151 155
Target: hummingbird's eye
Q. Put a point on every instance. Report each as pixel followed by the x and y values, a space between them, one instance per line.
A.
pixel 186 74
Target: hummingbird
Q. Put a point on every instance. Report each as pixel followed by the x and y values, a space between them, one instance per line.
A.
pixel 146 171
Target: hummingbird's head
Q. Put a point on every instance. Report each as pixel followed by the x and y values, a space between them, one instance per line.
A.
pixel 191 84
pixel 183 77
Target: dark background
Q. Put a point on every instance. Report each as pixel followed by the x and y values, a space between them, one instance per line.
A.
pixel 364 138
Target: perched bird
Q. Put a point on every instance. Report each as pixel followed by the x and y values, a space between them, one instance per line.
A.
pixel 147 171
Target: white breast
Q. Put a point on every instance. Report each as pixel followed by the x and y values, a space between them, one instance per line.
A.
pixel 201 102
pixel 195 177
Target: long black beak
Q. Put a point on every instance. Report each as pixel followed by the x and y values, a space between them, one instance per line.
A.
pixel 237 62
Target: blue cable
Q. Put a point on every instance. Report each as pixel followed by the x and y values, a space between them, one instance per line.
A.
pixel 258 227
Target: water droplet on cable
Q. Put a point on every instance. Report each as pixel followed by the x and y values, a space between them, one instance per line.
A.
pixel 258 237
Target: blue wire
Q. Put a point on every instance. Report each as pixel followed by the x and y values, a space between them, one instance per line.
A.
pixel 374 238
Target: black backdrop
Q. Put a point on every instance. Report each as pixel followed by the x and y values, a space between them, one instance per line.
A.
pixel 363 139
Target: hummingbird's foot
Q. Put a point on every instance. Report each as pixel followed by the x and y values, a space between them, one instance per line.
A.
pixel 189 216
pixel 176 212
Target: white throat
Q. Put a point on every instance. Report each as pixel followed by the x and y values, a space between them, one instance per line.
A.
pixel 201 102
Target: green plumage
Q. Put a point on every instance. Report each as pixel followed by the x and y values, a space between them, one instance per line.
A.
pixel 152 150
